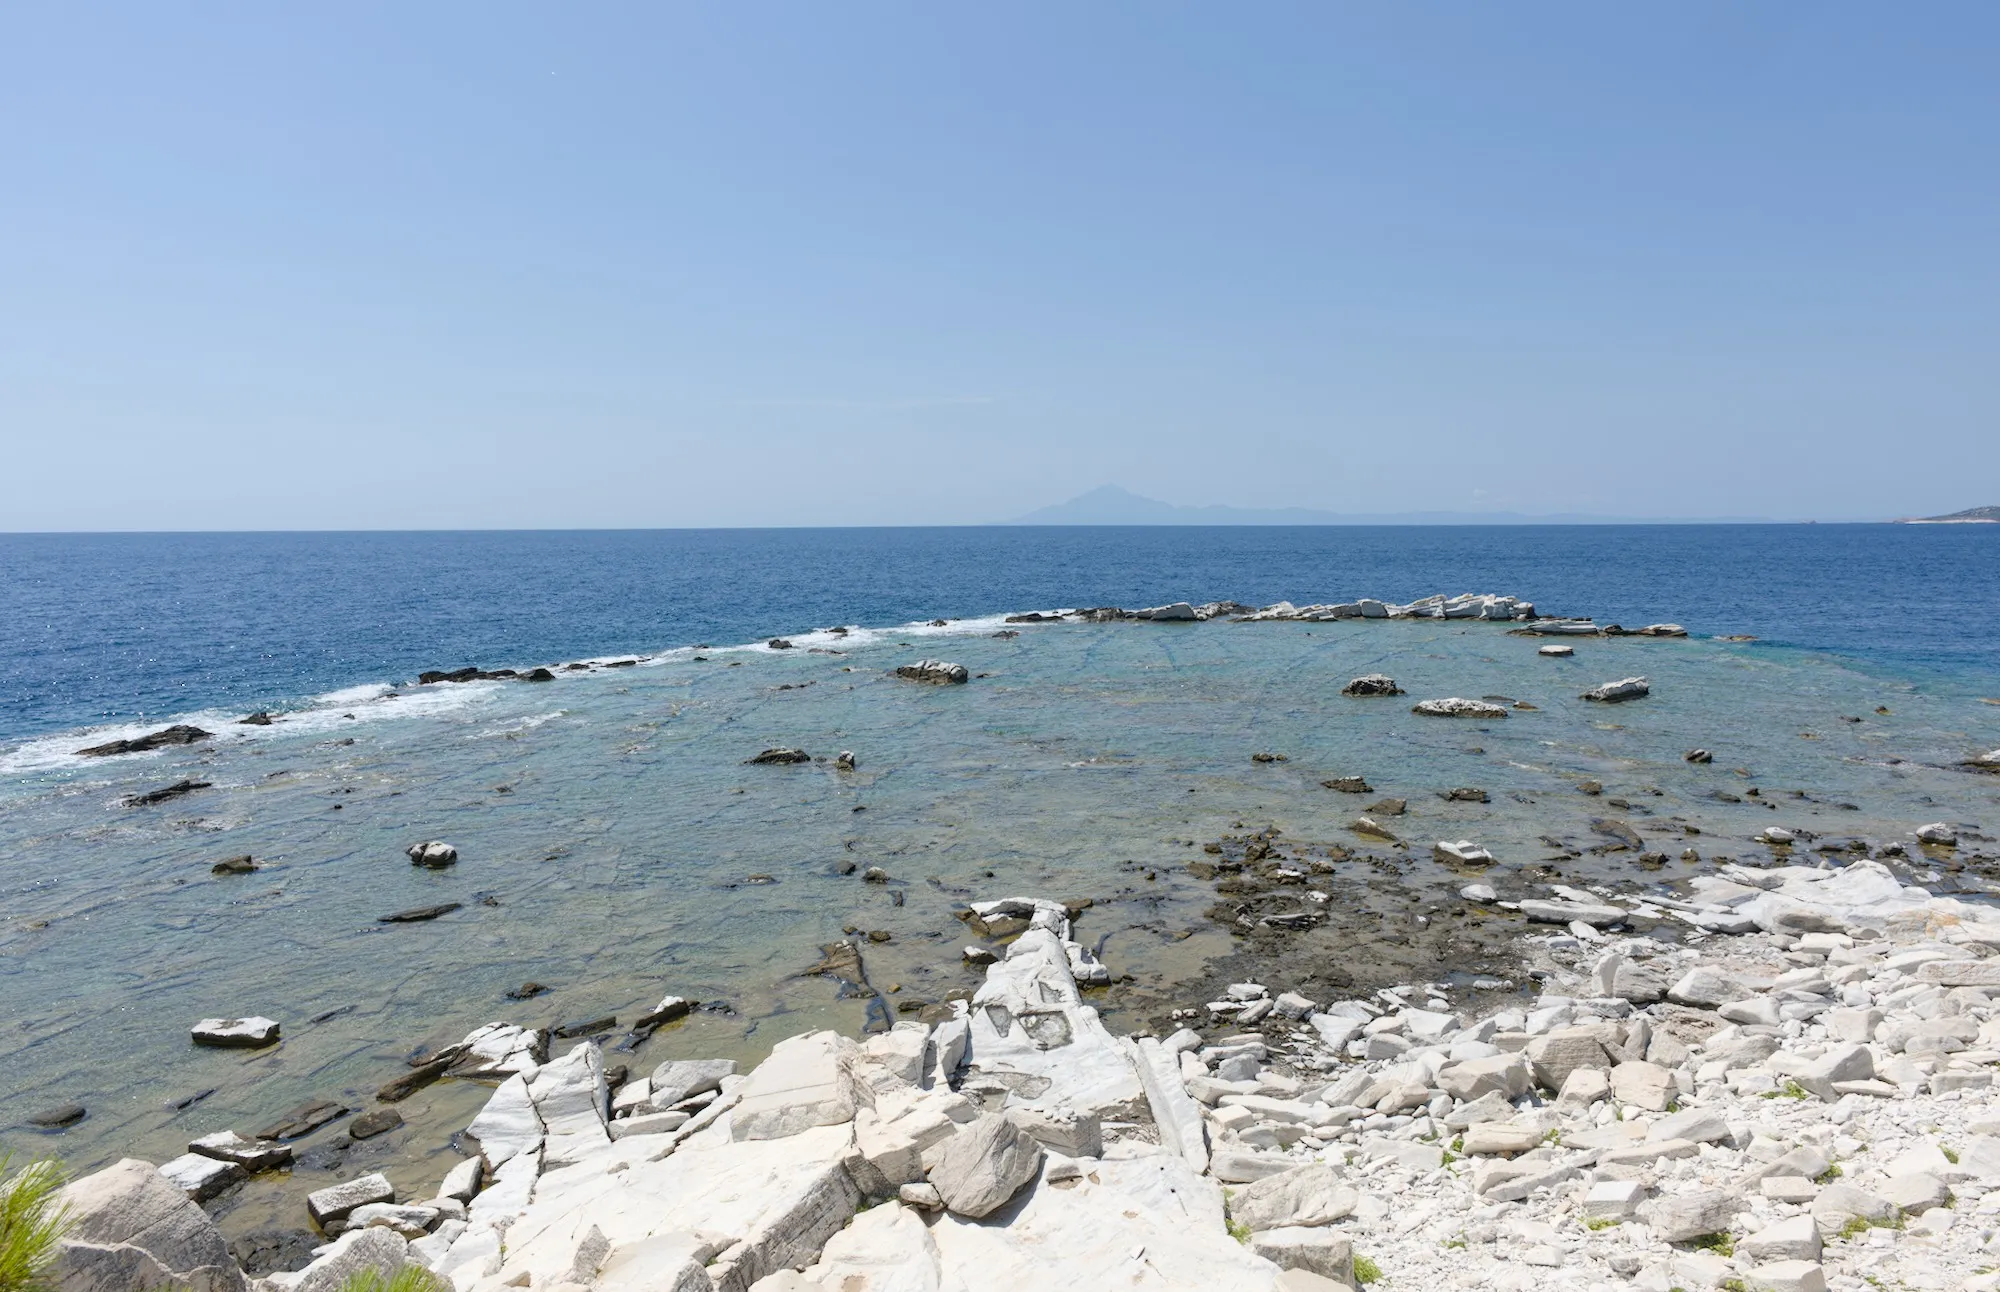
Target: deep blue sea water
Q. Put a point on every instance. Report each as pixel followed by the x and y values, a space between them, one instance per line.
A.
pixel 107 627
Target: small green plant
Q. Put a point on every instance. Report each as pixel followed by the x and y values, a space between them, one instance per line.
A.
pixel 1458 1145
pixel 1555 1137
pixel 410 1278
pixel 1456 1244
pixel 1721 1244
pixel 1595 1223
pixel 1733 1285
pixel 1859 1225
pixel 32 1222
pixel 1238 1230
pixel 1790 1090
pixel 1365 1270
pixel 1830 1174
pixel 1950 1153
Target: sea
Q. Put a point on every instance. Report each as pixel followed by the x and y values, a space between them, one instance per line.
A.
pixel 616 845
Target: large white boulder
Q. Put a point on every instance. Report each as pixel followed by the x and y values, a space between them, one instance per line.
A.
pixel 132 1229
pixel 977 1170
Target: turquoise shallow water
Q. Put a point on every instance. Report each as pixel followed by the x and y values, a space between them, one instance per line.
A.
pixel 609 819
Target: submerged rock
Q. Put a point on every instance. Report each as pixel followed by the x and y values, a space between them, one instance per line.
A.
pixel 420 914
pixel 1349 785
pixel 178 734
pixel 937 671
pixel 57 1118
pixel 162 795
pixel 304 1120
pixel 235 1033
pixel 242 865
pixel 1457 707
pixel 781 754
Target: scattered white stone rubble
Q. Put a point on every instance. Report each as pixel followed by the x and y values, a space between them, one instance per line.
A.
pixel 1809 1106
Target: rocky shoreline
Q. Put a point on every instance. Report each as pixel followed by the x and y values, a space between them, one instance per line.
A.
pixel 1799 1096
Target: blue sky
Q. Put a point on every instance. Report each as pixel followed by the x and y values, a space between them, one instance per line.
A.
pixel 508 265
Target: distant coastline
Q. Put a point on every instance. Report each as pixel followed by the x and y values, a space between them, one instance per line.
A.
pixel 1112 505
pixel 1970 516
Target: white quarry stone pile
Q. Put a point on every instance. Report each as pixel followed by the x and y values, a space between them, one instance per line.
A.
pixel 1807 1105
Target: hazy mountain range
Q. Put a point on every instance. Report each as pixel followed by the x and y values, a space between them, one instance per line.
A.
pixel 1111 505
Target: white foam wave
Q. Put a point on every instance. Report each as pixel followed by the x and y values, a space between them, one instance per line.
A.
pixel 345 708
pixel 383 701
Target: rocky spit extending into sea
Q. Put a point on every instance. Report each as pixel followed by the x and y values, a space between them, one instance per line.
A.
pixel 1801 1097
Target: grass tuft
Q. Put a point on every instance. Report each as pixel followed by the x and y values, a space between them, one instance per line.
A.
pixel 410 1278
pixel 1365 1270
pixel 32 1223
pixel 1722 1244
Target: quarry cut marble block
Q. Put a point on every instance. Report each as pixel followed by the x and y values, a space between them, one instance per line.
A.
pixel 1678 1218
pixel 1794 1238
pixel 1786 1276
pixel 1305 1196
pixel 1554 1055
pixel 1507 1075
pixel 328 1207
pixel 804 1083
pixel 201 1178
pixel 1319 1251
pixel 986 1163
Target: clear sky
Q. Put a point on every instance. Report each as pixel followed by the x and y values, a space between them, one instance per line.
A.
pixel 496 264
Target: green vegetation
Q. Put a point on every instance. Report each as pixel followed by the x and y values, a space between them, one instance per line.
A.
pixel 1595 1223
pixel 1238 1230
pixel 1555 1137
pixel 1859 1225
pixel 1790 1090
pixel 1456 1244
pixel 31 1224
pixel 1365 1270
pixel 408 1279
pixel 1733 1285
pixel 1950 1153
pixel 1830 1174
pixel 1722 1244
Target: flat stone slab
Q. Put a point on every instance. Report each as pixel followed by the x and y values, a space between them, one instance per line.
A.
pixel 201 1178
pixel 329 1207
pixel 252 1155
pixel 1961 973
